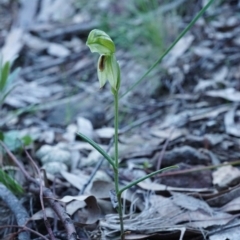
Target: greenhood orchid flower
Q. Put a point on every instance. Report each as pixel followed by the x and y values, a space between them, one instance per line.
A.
pixel 98 41
pixel 108 67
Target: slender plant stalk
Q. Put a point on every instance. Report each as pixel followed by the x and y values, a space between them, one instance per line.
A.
pixel 116 171
pixel 109 70
pixel 116 128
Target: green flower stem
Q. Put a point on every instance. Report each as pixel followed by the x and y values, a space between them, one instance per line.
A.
pixel 98 148
pixel 145 177
pixel 203 10
pixel 116 171
pixel 116 127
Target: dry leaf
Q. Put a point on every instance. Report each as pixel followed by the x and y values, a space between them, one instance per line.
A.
pixel 198 219
pixel 76 180
pixel 230 231
pixel 13 45
pixel 106 132
pixel 54 167
pixel 100 189
pixel 85 207
pixel 232 127
pixel 57 10
pixel 226 176
pixel 229 94
pixel 191 203
pixel 92 159
pixel 183 44
pixel 232 206
pixel 162 188
pixel 55 154
pixel 58 50
pixel 230 234
pixel 168 133
pixel 35 43
pixel 85 127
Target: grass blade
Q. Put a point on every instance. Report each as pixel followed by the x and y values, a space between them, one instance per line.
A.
pixel 203 10
pixel 10 183
pixel 4 75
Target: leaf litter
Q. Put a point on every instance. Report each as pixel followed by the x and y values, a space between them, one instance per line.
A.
pixel 194 101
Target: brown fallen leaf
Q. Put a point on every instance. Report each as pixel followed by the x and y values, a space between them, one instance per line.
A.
pixel 86 208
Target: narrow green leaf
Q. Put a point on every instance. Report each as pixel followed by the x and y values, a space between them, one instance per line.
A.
pixel 12 76
pixel 1 136
pixel 2 99
pixel 145 177
pixel 4 75
pixel 98 148
pixel 10 183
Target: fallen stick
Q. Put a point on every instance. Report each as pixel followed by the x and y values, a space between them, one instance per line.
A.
pixel 17 209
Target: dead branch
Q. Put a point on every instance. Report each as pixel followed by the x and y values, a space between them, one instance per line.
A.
pixel 17 209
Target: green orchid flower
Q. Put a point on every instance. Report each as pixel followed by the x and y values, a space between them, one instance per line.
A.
pixel 98 41
pixel 108 68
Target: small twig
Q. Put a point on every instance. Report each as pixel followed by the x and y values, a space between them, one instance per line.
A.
pixel 46 222
pixel 18 210
pixel 160 158
pixel 60 211
pixel 47 193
